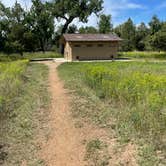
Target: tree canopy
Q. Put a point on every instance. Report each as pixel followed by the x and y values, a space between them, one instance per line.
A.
pixel 68 10
pixel 36 29
pixel 105 25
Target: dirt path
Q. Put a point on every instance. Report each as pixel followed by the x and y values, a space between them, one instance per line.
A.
pixel 64 146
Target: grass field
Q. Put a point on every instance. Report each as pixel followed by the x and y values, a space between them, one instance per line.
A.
pixel 35 55
pixel 132 95
pixel 143 55
pixel 23 91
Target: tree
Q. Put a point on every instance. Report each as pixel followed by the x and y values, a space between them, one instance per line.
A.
pixel 30 41
pixel 68 10
pixel 88 29
pixel 12 27
pixel 105 25
pixel 72 29
pixel 158 40
pixel 4 25
pixel 17 13
pixel 42 23
pixel 141 33
pixel 118 30
pixel 155 25
pixel 128 35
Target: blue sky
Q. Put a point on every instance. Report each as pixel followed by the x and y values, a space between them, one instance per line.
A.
pixel 121 10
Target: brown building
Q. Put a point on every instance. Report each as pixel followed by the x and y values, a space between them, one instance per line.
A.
pixel 90 46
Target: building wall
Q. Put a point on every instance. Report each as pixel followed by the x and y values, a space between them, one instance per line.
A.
pixel 91 50
pixel 68 51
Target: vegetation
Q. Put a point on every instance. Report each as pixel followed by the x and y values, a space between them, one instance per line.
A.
pixel 23 91
pixel 140 93
pixel 143 54
pixel 129 96
pixel 142 37
pixel 34 29
pixel 95 153
pixel 29 56
pixel 105 25
pixel 69 10
pixel 10 80
pixel 88 29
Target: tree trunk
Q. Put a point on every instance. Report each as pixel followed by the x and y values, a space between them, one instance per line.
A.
pixel 64 29
pixel 42 45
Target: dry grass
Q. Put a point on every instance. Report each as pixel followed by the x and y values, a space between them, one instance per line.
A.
pixel 18 129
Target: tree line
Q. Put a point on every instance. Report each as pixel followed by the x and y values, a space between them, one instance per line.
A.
pixel 35 29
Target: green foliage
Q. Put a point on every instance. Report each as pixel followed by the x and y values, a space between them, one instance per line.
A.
pixel 68 10
pixel 34 29
pixel 42 22
pixel 142 95
pixel 130 82
pixel 26 30
pixel 141 33
pixel 10 80
pixel 155 25
pixel 141 54
pixel 141 37
pixel 72 29
pixel 158 40
pixel 128 34
pixel 88 29
pixel 30 56
pixel 126 96
pixel 105 25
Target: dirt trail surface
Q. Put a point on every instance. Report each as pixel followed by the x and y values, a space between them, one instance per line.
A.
pixel 64 146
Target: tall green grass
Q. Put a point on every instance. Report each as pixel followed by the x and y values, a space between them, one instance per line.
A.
pixel 143 54
pixel 139 96
pixel 11 74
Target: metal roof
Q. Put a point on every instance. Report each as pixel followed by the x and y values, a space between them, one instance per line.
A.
pixel 91 37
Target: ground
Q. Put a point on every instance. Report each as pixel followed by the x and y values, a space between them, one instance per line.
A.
pixel 72 142
pixel 78 127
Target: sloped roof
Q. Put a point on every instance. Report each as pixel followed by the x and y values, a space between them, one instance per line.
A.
pixel 91 37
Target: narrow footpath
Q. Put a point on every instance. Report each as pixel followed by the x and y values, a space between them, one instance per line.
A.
pixel 64 146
